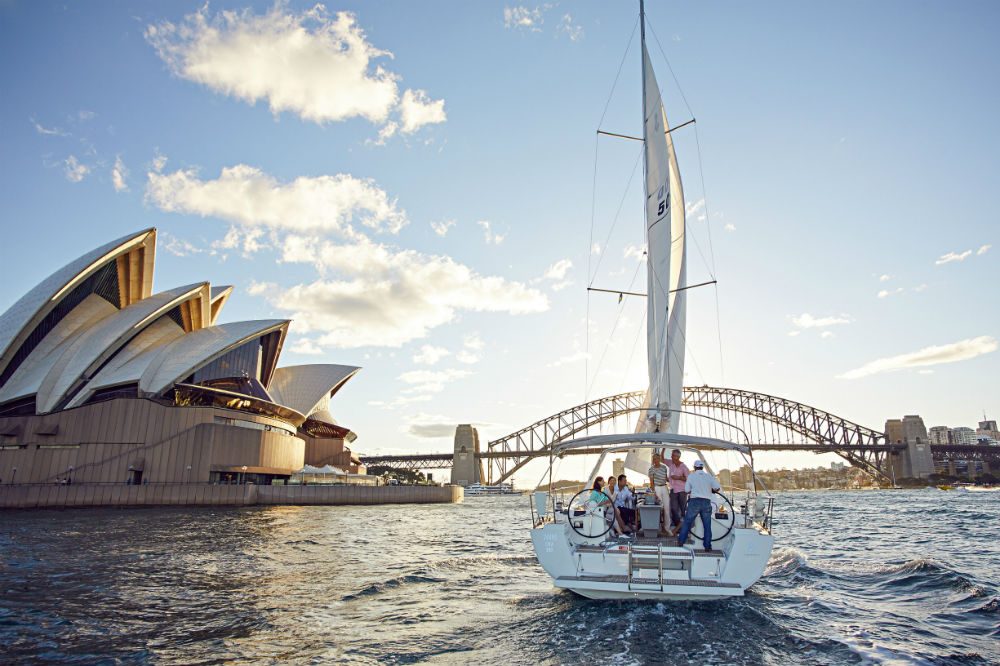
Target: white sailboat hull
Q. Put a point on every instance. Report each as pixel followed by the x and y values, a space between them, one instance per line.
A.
pixel 652 570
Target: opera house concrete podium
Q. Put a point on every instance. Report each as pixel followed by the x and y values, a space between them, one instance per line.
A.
pixel 104 381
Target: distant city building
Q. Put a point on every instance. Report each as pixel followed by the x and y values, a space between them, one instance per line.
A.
pixel 963 435
pixel 939 435
pixel 618 467
pixel 988 429
pixel 838 465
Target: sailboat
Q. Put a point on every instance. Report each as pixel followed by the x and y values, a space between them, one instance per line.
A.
pixel 571 538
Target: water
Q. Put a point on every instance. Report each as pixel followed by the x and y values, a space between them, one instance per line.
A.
pixel 889 577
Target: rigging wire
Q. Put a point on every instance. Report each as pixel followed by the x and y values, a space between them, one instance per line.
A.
pixel 607 345
pixel 614 222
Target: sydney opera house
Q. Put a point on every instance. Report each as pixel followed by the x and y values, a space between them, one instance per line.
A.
pixel 102 380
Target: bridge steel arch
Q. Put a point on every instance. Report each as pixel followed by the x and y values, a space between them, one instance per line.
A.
pixel 863 447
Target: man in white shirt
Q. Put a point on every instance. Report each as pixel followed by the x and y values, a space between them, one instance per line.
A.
pixel 658 474
pixel 701 486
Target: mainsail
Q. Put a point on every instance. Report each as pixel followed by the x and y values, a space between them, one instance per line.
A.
pixel 666 268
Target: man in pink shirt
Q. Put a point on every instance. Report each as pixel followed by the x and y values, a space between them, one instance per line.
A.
pixel 677 474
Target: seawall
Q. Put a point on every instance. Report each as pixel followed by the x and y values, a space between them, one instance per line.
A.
pixel 30 496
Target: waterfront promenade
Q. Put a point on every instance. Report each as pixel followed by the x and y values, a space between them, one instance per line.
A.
pixel 30 496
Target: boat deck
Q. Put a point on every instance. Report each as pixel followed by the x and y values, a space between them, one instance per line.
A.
pixel 624 580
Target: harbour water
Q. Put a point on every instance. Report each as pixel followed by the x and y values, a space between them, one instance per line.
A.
pixel 886 577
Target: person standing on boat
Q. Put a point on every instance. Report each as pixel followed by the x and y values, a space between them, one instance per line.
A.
pixel 678 474
pixel 701 485
pixel 658 474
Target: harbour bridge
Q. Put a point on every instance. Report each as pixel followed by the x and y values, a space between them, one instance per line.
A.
pixel 766 422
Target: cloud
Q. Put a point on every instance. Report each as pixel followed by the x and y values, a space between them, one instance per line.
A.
pixel 311 64
pixel 595 248
pixel 467 357
pixel 920 287
pixel 473 341
pixel 441 228
pixel 637 251
pixel 432 430
pixel 729 226
pixel 936 355
pixel 118 175
pixel 885 293
pixel 983 249
pixel 884 278
pixel 490 236
pixel 808 321
pixel 246 195
pixel 571 358
pixel 178 247
pixel 952 256
pixel 307 347
pixel 696 210
pixel 557 271
pixel 75 170
pixel 572 30
pixel 826 334
pixel 383 297
pixel 520 17
pixel 429 355
pixel 431 381
pixel 417 110
pixel 46 131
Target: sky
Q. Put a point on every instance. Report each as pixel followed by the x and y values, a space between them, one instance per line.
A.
pixel 420 188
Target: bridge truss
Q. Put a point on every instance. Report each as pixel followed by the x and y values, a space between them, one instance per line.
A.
pixel 725 413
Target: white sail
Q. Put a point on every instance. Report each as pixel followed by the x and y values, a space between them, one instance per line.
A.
pixel 666 271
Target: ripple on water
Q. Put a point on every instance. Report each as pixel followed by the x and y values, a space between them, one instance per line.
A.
pixel 849 583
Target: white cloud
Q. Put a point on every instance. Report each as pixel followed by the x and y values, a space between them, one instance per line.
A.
pixel 920 287
pixel 695 210
pixel 307 347
pixel 885 293
pixel 557 271
pixel 826 334
pixel 793 333
pixel 177 246
pixel 467 357
pixel 441 228
pixel 575 357
pixel 983 249
pixel 572 30
pixel 248 196
pixel 417 110
pixel 884 278
pixel 473 341
pixel 118 175
pixel 490 236
pixel 808 321
pixel 520 17
pixel 925 372
pixel 936 355
pixel 953 256
pixel 595 248
pixel 75 170
pixel 431 381
pixel 429 355
pixel 46 131
pixel 637 251
pixel 84 115
pixel 319 67
pixel 387 297
pixel 729 226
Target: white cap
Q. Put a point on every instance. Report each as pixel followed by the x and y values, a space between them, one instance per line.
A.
pixel 698 464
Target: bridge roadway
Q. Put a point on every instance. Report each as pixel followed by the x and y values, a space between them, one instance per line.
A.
pixel 445 460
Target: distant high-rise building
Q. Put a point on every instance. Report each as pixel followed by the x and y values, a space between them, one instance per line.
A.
pixel 838 465
pixel 988 430
pixel 618 467
pixel 939 435
pixel 963 435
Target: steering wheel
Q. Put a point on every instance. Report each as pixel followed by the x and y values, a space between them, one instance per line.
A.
pixel 585 510
pixel 728 524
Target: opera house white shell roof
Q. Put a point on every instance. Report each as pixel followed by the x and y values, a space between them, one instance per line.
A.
pixel 95 330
